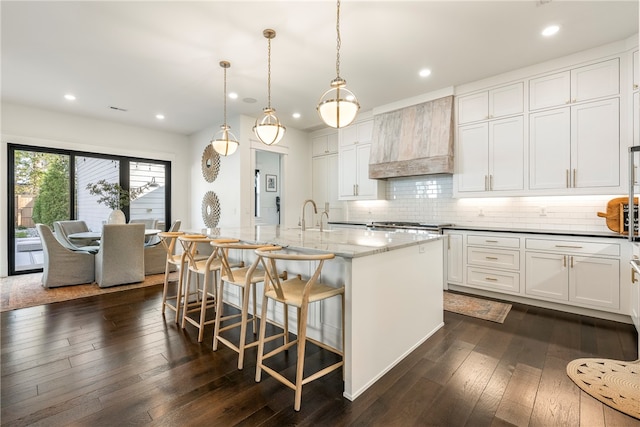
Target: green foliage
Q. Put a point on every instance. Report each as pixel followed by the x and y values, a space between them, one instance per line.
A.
pixel 52 202
pixel 31 168
pixel 111 194
pixel 20 234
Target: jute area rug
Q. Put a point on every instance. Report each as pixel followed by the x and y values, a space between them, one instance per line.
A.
pixel 494 311
pixel 26 290
pixel 612 382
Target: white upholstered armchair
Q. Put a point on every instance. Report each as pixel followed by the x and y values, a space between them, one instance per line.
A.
pixel 63 266
pixel 120 259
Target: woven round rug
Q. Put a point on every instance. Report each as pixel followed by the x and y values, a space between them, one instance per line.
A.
pixel 613 382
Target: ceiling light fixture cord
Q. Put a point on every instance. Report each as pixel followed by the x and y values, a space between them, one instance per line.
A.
pixel 269 74
pixel 338 41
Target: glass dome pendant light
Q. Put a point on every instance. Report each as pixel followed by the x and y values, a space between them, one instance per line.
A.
pixel 338 106
pixel 269 130
pixel 224 142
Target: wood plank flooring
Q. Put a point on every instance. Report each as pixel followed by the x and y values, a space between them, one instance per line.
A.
pixel 115 360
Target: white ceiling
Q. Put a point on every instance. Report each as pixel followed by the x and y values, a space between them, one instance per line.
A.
pixel 162 56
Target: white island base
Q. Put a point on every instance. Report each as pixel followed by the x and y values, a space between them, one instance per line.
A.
pixel 393 293
pixel 393 304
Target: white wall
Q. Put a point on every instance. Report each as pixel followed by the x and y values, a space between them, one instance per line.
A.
pixel 234 184
pixel 37 127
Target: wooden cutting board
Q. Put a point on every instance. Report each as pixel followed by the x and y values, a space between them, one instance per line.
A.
pixel 614 215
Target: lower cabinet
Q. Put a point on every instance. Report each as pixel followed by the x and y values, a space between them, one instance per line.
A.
pixel 585 280
pixel 585 272
pixel 454 257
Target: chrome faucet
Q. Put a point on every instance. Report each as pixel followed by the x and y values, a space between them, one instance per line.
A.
pixel 323 213
pixel 304 204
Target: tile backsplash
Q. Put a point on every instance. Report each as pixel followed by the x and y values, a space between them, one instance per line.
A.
pixel 429 199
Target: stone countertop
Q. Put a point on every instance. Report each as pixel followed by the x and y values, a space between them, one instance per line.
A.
pixel 343 242
pixel 556 232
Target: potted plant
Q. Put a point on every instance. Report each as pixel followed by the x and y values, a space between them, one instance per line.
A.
pixel 113 196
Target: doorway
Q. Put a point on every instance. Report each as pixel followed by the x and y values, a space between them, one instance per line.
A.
pixel 267 188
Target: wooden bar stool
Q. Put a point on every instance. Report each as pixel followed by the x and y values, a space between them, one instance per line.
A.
pixel 168 239
pixel 205 294
pixel 246 279
pixel 298 293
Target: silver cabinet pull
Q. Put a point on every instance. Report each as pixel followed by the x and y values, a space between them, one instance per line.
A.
pixel 574 179
pixel 486 187
pixel 491 182
pixel 567 179
pixel 491 258
pixel 491 241
pixel 491 279
pixel 564 260
pixel 571 261
pixel 569 246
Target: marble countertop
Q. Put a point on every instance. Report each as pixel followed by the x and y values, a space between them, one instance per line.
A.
pixel 557 232
pixel 343 242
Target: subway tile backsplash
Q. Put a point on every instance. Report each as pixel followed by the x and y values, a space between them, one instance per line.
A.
pixel 430 199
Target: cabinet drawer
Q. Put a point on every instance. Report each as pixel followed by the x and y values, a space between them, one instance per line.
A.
pixel 496 242
pixel 495 258
pixel 503 281
pixel 568 246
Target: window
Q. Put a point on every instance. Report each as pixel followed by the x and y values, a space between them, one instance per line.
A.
pixel 47 185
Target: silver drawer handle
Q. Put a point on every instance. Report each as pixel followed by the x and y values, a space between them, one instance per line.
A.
pixel 492 258
pixel 491 279
pixel 569 246
pixel 491 241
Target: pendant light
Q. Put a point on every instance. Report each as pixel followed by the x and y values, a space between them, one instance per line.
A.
pixel 224 142
pixel 338 106
pixel 269 130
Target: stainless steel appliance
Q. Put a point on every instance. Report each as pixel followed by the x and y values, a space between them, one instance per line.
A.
pixel 408 227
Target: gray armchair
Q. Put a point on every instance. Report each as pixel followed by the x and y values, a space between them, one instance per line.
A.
pixel 120 259
pixel 64 228
pixel 63 266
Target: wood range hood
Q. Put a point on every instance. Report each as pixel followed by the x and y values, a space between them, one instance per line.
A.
pixel 412 141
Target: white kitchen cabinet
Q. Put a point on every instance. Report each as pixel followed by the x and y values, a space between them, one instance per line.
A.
pixel 580 84
pixel 491 156
pixel 493 263
pixel 589 274
pixel 569 271
pixel 325 185
pixel 324 144
pixel 454 257
pixel 575 147
pixel 494 103
pixel 353 170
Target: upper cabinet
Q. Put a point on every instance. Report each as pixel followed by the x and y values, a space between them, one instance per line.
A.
pixel 575 147
pixel 492 104
pixel 566 135
pixel 491 156
pixel 324 144
pixel 353 170
pixel 577 85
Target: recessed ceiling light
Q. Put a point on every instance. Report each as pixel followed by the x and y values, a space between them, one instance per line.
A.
pixel 249 100
pixel 296 115
pixel 233 95
pixel 160 116
pixel 425 72
pixel 550 30
pixel 70 97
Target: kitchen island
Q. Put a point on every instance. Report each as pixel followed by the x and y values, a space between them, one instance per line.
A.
pixel 393 293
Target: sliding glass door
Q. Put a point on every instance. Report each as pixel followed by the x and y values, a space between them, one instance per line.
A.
pixel 40 195
pixel 47 185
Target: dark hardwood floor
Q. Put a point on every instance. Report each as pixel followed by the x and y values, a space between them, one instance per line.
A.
pixel 114 360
